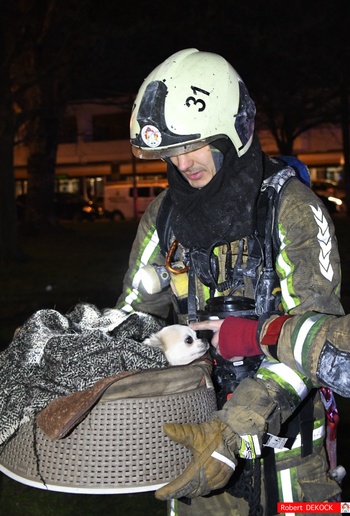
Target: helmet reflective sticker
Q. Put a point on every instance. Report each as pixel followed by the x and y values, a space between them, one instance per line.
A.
pixel 151 136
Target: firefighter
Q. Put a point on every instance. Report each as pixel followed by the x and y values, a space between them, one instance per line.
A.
pixel 236 234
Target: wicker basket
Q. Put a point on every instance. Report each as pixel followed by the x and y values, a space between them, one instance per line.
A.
pixel 120 447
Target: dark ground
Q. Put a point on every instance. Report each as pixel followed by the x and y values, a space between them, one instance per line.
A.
pixel 86 262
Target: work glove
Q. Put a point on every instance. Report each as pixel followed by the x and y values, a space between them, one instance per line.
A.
pixel 212 464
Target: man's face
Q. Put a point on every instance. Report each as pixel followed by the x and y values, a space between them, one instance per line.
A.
pixel 197 167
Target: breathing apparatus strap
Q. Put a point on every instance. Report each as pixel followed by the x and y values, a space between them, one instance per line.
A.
pixel 271 481
pixel 302 422
pixel 192 299
pixel 163 224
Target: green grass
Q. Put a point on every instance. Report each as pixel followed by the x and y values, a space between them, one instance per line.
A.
pixel 87 262
pixel 20 500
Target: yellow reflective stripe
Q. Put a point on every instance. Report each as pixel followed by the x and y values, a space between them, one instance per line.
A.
pixel 318 434
pixel 127 307
pixel 172 507
pixel 149 249
pixel 301 338
pixel 292 381
pixel 288 486
pixel 286 269
pixel 288 300
pixel 250 447
pixel 146 255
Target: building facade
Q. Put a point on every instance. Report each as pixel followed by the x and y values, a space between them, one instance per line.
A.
pixel 94 149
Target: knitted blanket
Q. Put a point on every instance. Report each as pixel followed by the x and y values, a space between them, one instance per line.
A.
pixel 55 355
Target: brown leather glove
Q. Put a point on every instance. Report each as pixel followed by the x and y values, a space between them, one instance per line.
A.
pixel 212 464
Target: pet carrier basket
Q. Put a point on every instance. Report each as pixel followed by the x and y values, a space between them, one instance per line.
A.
pixel 118 446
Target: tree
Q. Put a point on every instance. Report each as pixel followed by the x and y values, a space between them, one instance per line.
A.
pixel 289 64
pixel 48 49
pixel 9 245
pixel 31 88
pixel 53 47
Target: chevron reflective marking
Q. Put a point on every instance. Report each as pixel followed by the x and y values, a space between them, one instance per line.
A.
pixel 302 335
pixel 325 243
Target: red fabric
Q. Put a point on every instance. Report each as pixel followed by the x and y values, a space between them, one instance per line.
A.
pixel 238 337
pixel 273 331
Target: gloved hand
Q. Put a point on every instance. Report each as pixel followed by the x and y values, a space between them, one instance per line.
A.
pixel 212 464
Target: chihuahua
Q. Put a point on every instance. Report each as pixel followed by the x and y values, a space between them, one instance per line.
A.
pixel 179 344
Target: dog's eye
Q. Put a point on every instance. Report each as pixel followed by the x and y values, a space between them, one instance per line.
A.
pixel 189 340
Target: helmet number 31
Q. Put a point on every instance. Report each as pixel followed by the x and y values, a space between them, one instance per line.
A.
pixel 194 101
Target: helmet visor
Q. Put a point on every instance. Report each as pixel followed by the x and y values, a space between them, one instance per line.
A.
pixel 173 150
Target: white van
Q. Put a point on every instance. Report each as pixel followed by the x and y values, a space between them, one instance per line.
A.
pixel 122 200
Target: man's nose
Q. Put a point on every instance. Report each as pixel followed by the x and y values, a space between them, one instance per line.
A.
pixel 184 162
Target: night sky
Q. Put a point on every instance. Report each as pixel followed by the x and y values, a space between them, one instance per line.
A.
pixel 265 41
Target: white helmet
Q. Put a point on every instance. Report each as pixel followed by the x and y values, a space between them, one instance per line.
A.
pixel 188 101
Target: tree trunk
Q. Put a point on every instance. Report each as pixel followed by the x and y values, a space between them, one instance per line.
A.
pixel 9 244
pixel 40 214
pixel 346 142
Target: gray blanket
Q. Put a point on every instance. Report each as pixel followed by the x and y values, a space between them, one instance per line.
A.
pixel 55 355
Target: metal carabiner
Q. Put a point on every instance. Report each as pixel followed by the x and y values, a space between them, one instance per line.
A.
pixel 169 257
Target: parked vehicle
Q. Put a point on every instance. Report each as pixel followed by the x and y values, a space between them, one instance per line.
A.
pixel 68 206
pixel 333 204
pixel 76 207
pixel 330 194
pixel 122 200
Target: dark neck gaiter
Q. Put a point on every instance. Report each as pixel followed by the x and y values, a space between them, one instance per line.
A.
pixel 225 209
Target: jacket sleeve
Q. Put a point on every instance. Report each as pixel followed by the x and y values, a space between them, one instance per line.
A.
pixel 308 263
pixel 315 340
pixel 317 345
pixel 145 250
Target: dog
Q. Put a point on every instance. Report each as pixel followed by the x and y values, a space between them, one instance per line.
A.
pixel 179 344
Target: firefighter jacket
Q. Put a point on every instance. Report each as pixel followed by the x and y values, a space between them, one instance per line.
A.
pixel 308 269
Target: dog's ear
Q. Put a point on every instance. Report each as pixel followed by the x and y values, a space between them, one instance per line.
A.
pixel 153 340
